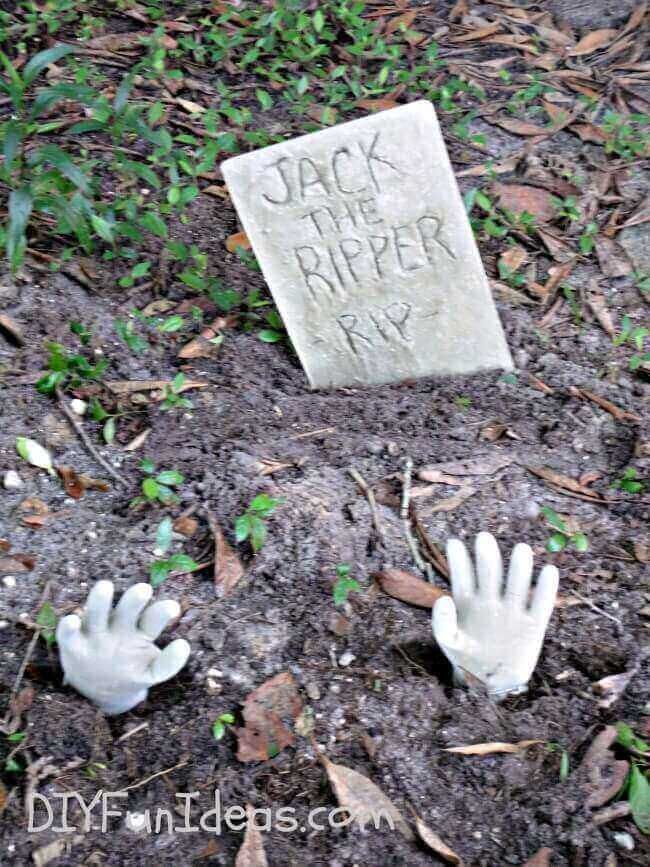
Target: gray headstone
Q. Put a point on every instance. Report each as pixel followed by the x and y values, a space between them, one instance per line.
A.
pixel 363 239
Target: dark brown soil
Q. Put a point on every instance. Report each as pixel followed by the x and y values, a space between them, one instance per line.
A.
pixel 393 710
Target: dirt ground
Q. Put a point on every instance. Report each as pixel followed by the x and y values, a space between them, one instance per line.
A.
pixel 391 712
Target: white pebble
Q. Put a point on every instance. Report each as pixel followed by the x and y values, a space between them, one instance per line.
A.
pixel 12 481
pixel 346 658
pixel 9 581
pixel 624 841
pixel 78 406
pixel 4 624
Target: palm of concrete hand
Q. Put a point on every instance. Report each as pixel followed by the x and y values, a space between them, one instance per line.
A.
pixel 488 631
pixel 110 656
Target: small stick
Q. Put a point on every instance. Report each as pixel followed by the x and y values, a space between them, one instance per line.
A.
pixel 406 522
pixel 131 732
pixel 363 485
pixel 83 436
pixel 594 607
pixel 153 777
pixel 28 655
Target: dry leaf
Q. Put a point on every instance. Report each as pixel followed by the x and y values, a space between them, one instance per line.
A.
pixel 635 18
pixel 483 466
pixel 604 774
pixel 406 19
pixel 408 587
pixel 189 106
pixel 434 843
pixel 160 305
pixel 138 441
pixel 186 525
pixel 203 346
pixel 588 132
pixel 219 192
pixel 519 127
pixel 382 104
pixel 239 239
pixel 489 749
pixel 607 405
pixel 131 386
pixel 502 168
pixel 251 853
pixel 228 568
pixel 612 687
pixel 642 552
pixel 542 858
pixel 17 563
pixel 495 430
pixel 559 480
pixel 514 257
pixel 126 41
pixel 522 197
pixel 592 42
pixel 12 329
pixel 598 305
pixel 364 800
pixel 270 712
pixel 612 258
pixel 479 33
pixel 450 503
pixel 71 483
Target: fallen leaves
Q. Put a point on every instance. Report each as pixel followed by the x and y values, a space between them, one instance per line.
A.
pixel 487 465
pixel 612 687
pixel 251 853
pixel 239 239
pixel 593 42
pixel 433 841
pixel 207 342
pixel 408 588
pixel 604 774
pixel 363 799
pixel 17 563
pixel 228 569
pixel 270 712
pixel 449 504
pixel 11 329
pixel 76 484
pixel 559 482
pixel 612 258
pixel 491 748
pixel 125 387
pixel 525 197
pixel 618 413
pixel 541 858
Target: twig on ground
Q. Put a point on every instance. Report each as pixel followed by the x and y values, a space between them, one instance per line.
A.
pixel 28 655
pixel 83 436
pixel 146 780
pixel 594 607
pixel 367 490
pixel 406 521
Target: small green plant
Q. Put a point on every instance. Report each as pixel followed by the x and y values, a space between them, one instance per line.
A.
pixel 642 282
pixel 125 330
pixel 172 394
pixel 564 759
pixel 46 619
pixel 636 336
pixel 637 785
pixel 627 135
pixel 511 276
pixel 587 240
pixel 67 368
pixel 462 401
pixel 158 486
pixel 560 539
pixel 251 525
pixel 163 566
pixel 567 209
pixel 344 585
pixel 629 482
pixel 219 726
